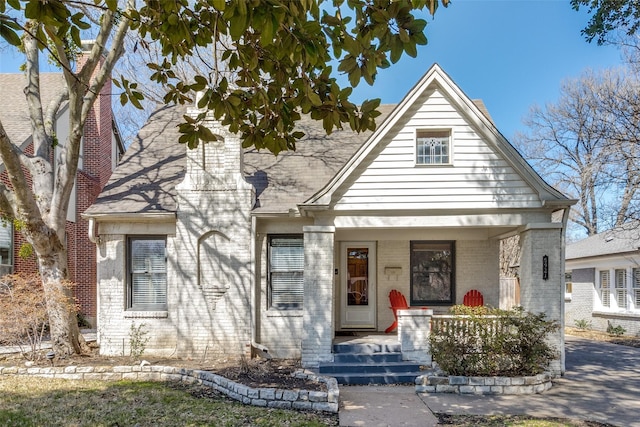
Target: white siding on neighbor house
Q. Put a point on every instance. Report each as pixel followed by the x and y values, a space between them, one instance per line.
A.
pixel 478 174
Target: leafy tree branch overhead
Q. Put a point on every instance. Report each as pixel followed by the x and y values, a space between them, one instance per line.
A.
pixel 272 62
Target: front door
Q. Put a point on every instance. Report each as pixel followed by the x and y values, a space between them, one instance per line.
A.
pixel 358 285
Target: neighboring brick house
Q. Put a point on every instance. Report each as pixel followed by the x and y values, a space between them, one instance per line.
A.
pixel 218 249
pixel 603 280
pixel 101 150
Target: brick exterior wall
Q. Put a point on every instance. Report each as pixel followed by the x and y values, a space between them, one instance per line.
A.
pixel 209 265
pixel 96 165
pixel 540 295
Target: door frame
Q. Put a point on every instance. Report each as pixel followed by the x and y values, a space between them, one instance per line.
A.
pixel 367 313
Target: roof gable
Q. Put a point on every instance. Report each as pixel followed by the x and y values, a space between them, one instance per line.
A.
pixel 435 84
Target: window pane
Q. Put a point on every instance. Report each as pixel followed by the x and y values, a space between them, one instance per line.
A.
pixel 148 275
pixel 621 288
pixel 286 265
pixel 605 296
pixel 432 147
pixel 6 243
pixel 432 272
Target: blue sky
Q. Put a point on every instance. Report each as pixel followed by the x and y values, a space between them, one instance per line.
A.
pixel 509 53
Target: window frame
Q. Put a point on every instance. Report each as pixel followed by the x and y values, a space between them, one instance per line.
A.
pixel 270 274
pixel 433 133
pixel 623 287
pixel 9 266
pixel 414 301
pixel 130 303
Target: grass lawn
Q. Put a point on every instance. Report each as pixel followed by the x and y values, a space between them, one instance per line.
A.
pixel 30 401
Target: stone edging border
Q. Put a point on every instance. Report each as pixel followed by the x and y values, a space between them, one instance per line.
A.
pixel 439 383
pixel 265 397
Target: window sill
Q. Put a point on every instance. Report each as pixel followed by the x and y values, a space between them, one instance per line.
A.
pixel 136 314
pixel 630 314
pixel 274 312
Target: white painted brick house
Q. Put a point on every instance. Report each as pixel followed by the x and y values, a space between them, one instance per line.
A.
pixel 217 249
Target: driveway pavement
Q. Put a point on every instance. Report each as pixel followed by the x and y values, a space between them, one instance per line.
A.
pixel 602 383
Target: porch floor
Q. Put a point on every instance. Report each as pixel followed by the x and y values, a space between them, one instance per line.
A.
pixel 366 338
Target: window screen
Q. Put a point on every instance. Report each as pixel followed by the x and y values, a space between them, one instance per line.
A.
pixel 286 266
pixel 147 273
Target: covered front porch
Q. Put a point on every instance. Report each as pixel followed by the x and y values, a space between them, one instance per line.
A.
pixel 349 273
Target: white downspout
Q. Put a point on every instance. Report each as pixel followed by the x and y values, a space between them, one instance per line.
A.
pixel 563 244
pixel 93 231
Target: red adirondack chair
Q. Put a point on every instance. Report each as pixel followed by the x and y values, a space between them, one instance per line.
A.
pixel 398 302
pixel 473 298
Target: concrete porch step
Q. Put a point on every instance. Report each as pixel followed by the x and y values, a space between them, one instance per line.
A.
pixel 366 348
pixel 369 368
pixel 369 363
pixel 367 357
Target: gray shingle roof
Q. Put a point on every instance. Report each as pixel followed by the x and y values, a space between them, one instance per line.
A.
pixel 154 164
pixel 616 241
pixel 15 114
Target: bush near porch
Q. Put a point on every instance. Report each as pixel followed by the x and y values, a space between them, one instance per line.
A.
pixel 483 341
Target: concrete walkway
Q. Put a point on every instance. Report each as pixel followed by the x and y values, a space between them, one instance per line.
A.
pixel 602 383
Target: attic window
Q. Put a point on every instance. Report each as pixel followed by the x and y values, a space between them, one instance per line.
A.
pixel 433 147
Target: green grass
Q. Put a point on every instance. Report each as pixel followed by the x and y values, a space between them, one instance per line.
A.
pixel 30 401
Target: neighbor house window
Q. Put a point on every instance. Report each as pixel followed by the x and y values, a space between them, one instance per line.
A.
pixel 605 288
pixel 635 279
pixel 433 147
pixel 621 288
pixel 147 265
pixel 432 273
pixel 568 285
pixel 286 266
pixel 6 246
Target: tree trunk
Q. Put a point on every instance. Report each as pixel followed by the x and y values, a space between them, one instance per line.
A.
pixel 61 305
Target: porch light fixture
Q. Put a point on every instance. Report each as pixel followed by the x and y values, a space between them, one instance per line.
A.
pixel 545 267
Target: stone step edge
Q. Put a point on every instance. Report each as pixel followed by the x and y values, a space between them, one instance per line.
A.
pixel 265 396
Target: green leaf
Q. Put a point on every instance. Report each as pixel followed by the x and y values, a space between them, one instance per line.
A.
pixel 9 35
pixel 218 4
pixel 14 4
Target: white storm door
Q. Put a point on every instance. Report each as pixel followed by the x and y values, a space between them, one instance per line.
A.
pixel 358 284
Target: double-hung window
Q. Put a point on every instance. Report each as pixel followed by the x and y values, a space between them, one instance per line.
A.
pixel 432 272
pixel 286 266
pixel 147 273
pixel 433 147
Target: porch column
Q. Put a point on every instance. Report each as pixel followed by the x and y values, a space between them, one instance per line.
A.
pixel 317 335
pixel 414 328
pixel 542 279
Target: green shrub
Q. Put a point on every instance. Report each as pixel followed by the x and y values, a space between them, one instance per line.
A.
pixel 583 324
pixel 615 330
pixel 498 343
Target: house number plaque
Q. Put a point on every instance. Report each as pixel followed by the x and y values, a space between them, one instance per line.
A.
pixel 545 267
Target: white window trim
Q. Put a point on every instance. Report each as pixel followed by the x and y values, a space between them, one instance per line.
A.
pixel 156 310
pixel 613 300
pixel 417 131
pixel 292 311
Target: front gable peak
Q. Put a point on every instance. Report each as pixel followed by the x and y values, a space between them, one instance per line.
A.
pixel 437 149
